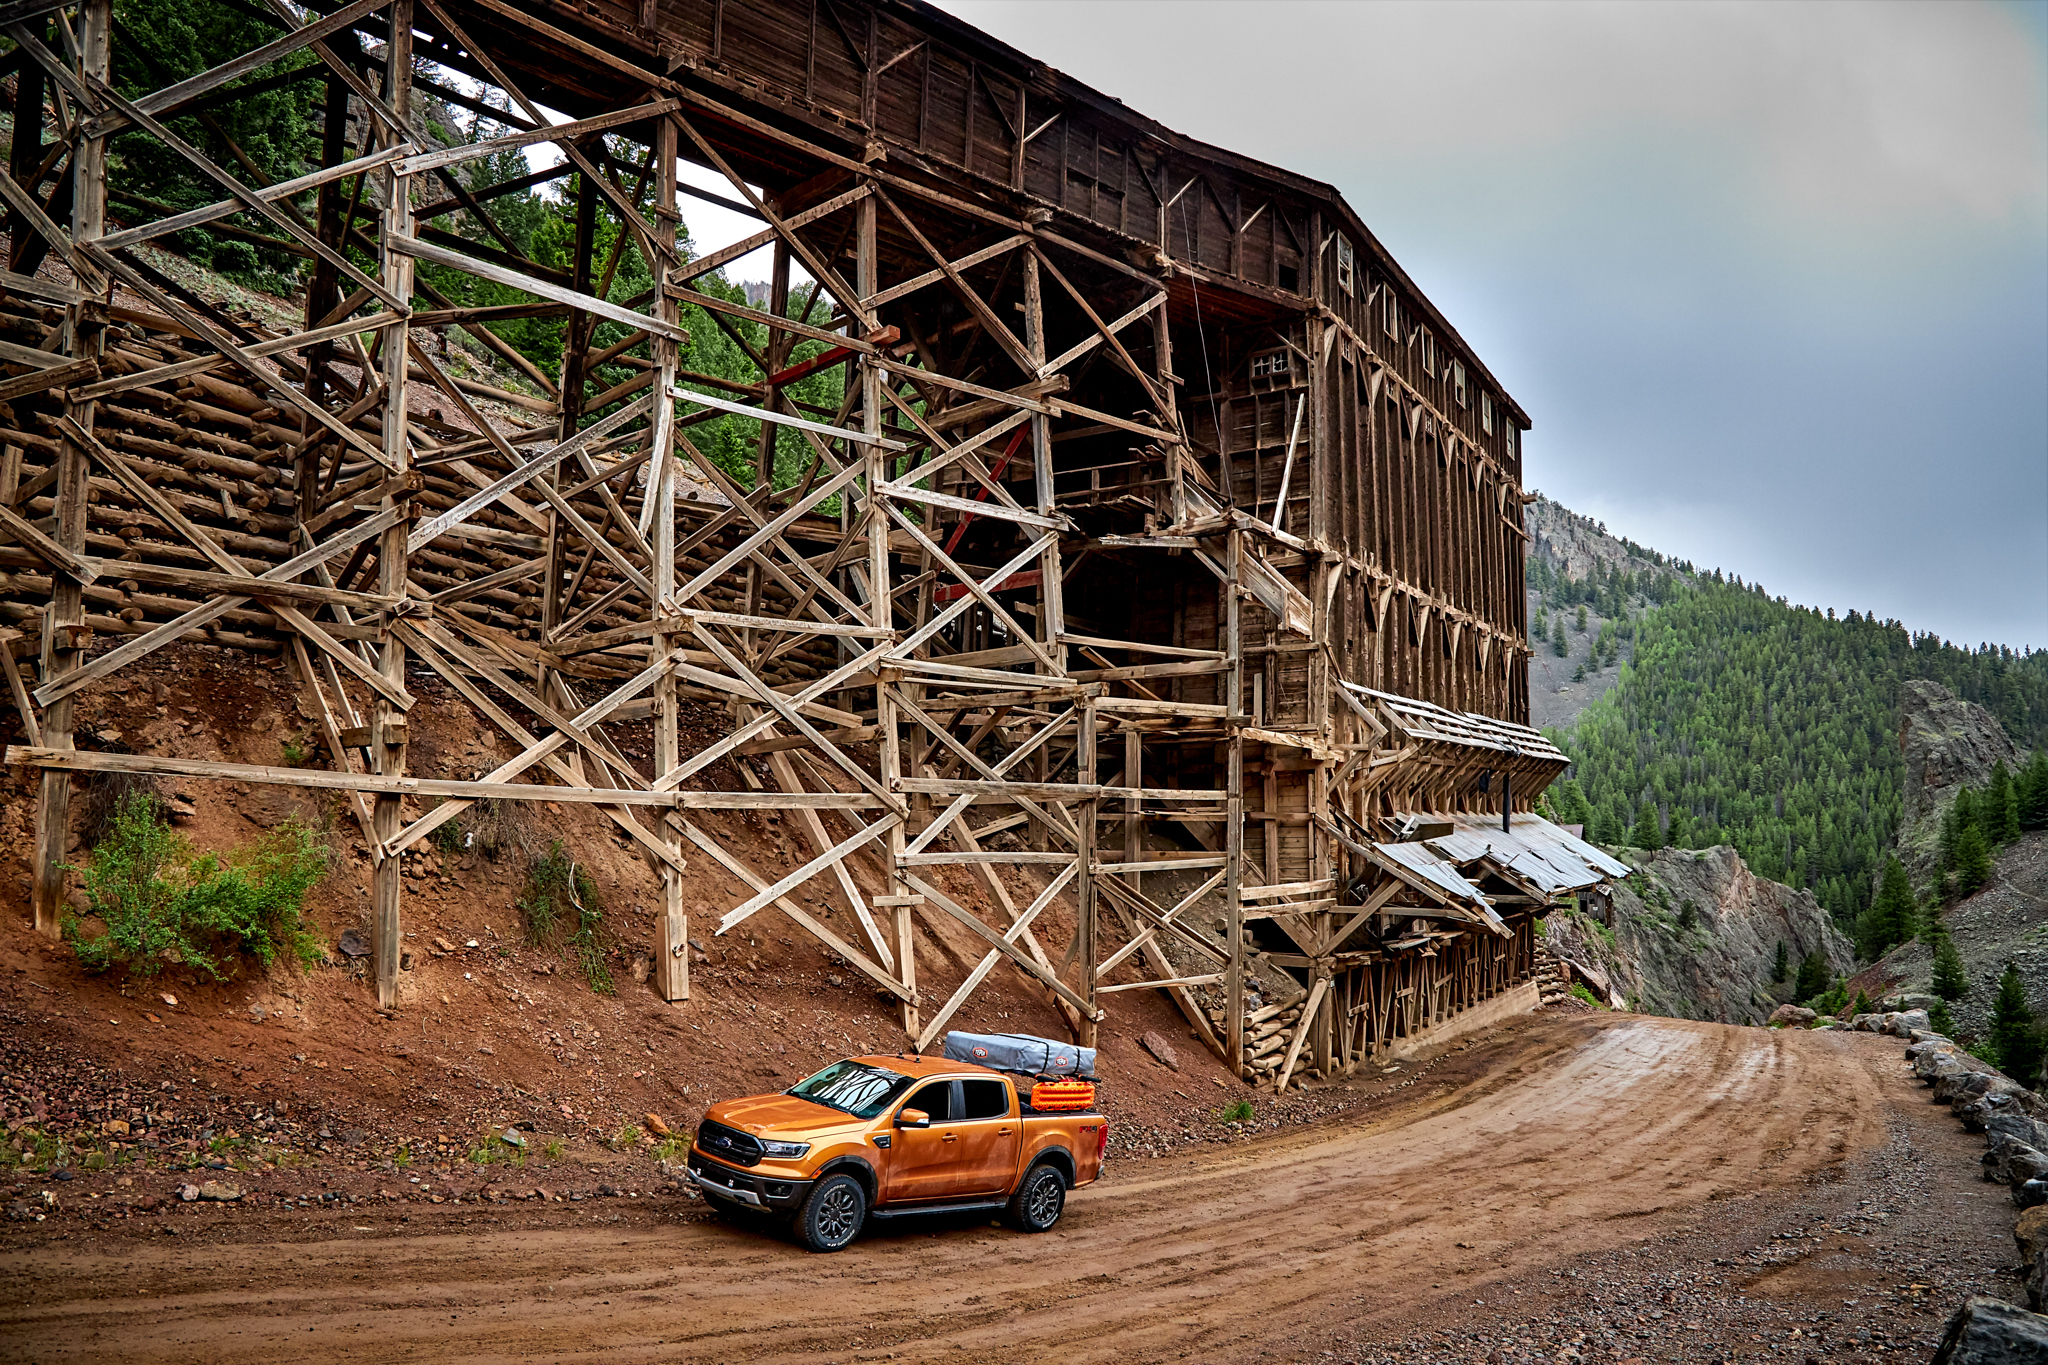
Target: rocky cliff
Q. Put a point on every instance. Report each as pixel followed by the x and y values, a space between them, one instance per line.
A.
pixel 1716 962
pixel 1570 546
pixel 1948 744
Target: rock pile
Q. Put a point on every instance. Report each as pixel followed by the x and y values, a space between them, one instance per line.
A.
pixel 2014 1121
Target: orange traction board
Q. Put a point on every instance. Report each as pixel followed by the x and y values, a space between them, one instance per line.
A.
pixel 1056 1097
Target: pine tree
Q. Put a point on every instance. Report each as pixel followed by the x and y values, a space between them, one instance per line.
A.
pixel 1648 833
pixel 1938 1020
pixel 2033 792
pixel 1889 920
pixel 1688 916
pixel 1973 859
pixel 1579 673
pixel 1860 1005
pixel 1951 981
pixel 1951 833
pixel 1582 618
pixel 1782 967
pixel 2001 811
pixel 2014 1043
pixel 1683 832
pixel 1813 976
pixel 1557 643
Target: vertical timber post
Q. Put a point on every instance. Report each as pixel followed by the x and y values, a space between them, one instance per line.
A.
pixel 66 634
pixel 672 954
pixel 387 735
pixel 1233 809
pixel 1085 900
pixel 881 609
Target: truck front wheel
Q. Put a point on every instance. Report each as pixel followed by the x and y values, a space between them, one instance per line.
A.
pixel 1039 1200
pixel 832 1215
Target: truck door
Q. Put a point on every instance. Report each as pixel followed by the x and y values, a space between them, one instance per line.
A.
pixel 991 1137
pixel 924 1163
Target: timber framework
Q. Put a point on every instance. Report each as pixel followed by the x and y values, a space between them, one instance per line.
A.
pixel 1160 539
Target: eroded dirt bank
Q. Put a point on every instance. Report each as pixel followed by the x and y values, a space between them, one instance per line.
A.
pixel 1606 1188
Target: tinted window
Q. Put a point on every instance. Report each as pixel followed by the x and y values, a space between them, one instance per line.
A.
pixel 986 1099
pixel 935 1099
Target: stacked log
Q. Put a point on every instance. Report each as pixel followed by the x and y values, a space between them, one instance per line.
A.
pixel 226 456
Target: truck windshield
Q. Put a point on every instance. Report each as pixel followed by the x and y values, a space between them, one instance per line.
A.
pixel 852 1087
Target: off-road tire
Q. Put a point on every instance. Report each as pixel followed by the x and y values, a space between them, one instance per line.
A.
pixel 1040 1199
pixel 832 1215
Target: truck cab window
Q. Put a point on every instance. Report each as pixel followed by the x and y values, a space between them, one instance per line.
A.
pixel 986 1099
pixel 935 1099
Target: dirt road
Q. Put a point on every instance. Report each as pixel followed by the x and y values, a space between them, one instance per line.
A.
pixel 1560 1142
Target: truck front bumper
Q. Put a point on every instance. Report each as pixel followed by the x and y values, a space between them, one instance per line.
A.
pixel 737 1186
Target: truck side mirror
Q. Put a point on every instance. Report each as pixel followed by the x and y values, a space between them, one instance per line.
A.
pixel 913 1118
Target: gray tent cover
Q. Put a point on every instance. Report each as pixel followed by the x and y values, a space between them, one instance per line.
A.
pixel 1021 1052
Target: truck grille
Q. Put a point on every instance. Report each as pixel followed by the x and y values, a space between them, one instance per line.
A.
pixel 728 1144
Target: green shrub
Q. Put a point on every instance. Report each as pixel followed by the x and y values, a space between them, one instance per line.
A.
pixel 558 893
pixel 163 901
pixel 1579 992
pixel 1241 1112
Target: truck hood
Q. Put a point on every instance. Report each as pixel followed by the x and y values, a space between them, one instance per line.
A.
pixel 781 1116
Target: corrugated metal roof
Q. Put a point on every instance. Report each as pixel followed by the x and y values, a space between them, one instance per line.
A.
pixel 1428 721
pixel 1532 850
pixel 1441 879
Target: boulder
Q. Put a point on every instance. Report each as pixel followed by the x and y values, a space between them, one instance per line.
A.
pixel 2007 1154
pixel 1910 1022
pixel 1867 1023
pixel 2004 1097
pixel 1928 1035
pixel 1989 1332
pixel 1933 1042
pixel 1791 1016
pixel 2019 1127
pixel 2022 1168
pixel 1161 1050
pixel 2031 1233
pixel 2030 1196
pixel 2037 1279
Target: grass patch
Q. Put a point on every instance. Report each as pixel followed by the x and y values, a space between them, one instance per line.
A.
pixel 553 1150
pixel 561 909
pixel 1579 992
pixel 1241 1112
pixel 162 901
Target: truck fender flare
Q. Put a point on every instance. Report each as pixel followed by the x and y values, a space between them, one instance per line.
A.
pixel 1059 1158
pixel 859 1169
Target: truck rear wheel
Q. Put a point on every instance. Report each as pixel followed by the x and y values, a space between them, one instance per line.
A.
pixel 832 1215
pixel 1039 1200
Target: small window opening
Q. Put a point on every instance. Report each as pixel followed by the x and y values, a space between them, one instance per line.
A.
pixel 1271 365
pixel 1458 384
pixel 1390 315
pixel 1428 353
pixel 1347 266
pixel 1486 412
pixel 1290 279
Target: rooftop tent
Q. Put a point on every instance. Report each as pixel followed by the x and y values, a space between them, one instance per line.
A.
pixel 1021 1052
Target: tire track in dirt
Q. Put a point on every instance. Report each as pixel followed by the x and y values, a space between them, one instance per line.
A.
pixel 1581 1133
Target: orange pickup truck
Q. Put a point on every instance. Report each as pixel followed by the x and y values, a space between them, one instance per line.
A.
pixel 877 1137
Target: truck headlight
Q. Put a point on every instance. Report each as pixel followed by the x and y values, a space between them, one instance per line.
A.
pixel 784 1149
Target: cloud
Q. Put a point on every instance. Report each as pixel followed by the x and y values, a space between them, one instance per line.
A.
pixel 1841 108
pixel 1770 278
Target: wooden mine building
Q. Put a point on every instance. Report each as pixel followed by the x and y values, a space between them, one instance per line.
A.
pixel 1164 541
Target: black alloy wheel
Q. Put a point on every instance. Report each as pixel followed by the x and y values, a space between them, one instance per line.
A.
pixel 832 1216
pixel 1039 1201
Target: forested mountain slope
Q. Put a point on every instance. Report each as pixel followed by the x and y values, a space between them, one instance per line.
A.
pixel 1740 718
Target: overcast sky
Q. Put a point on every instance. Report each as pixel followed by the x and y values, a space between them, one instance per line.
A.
pixel 1771 279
